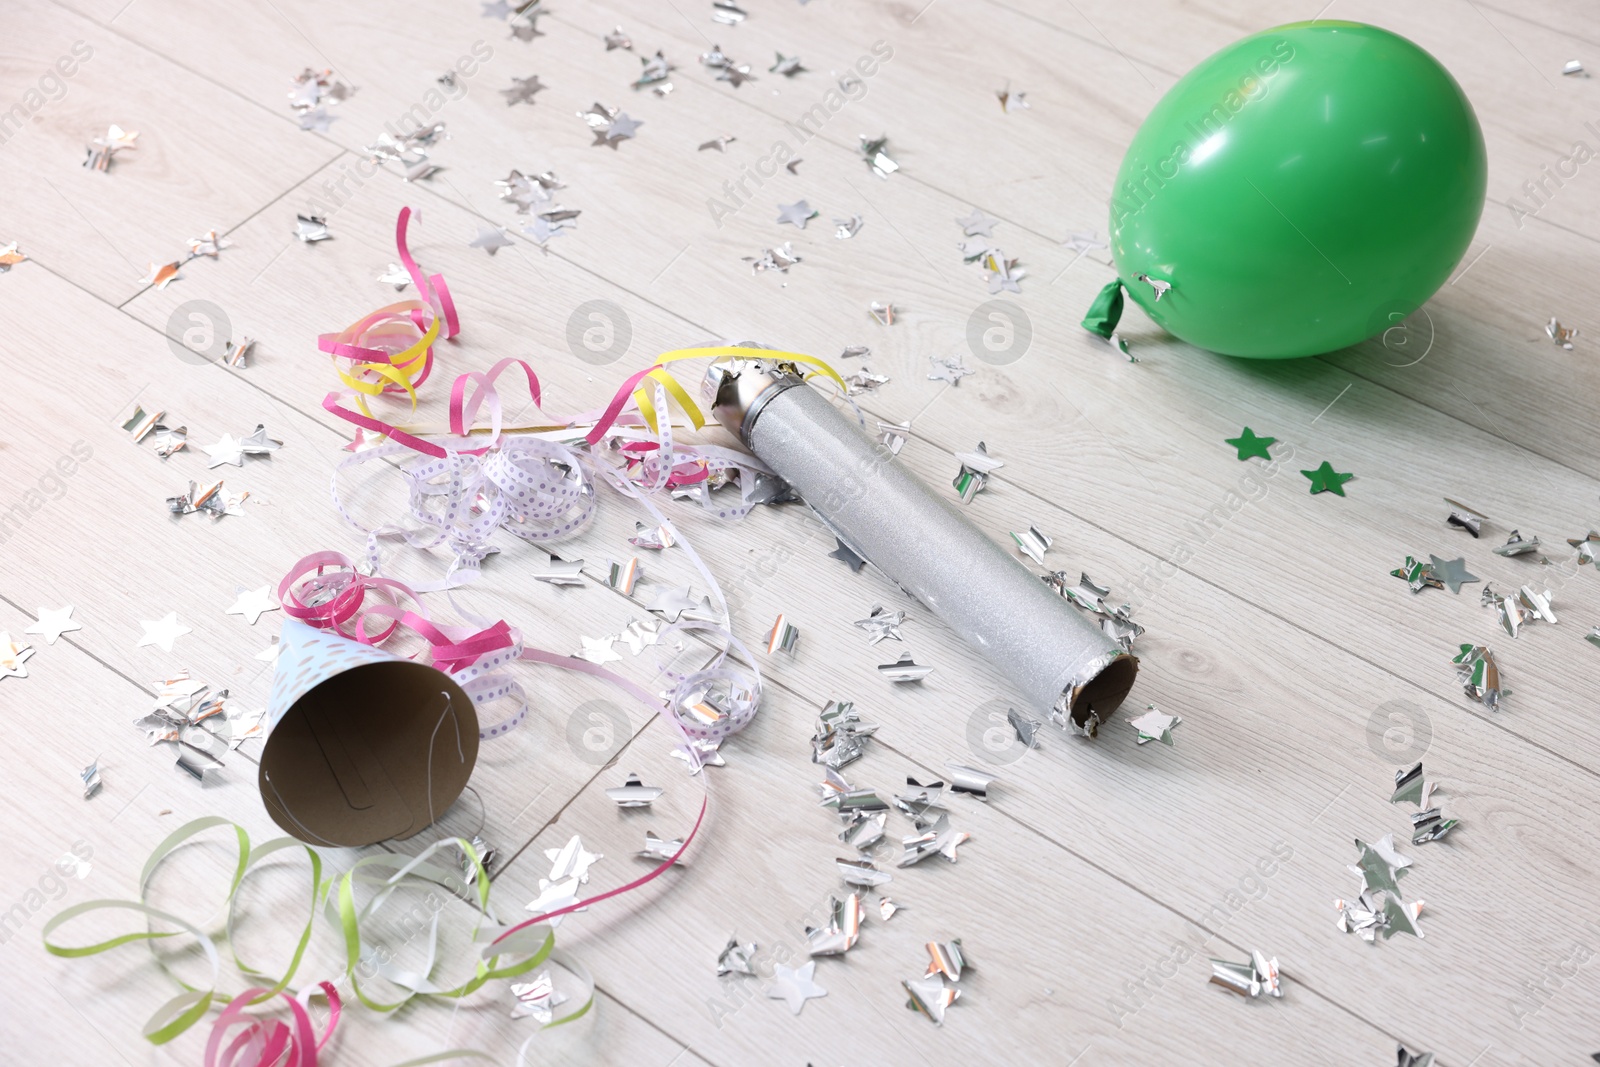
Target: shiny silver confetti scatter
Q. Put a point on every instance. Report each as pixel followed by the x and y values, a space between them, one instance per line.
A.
pixel 634 793
pixel 887 908
pixel 650 537
pixel 720 144
pixel 660 849
pixel 13 656
pixel 930 997
pixel 861 872
pixel 893 435
pixel 864 830
pixel 536 999
pixel 621 575
pixel 977 224
pixel 946 958
pixel 1574 66
pixel 161 275
pixel 857 352
pixel 672 602
pixel 883 311
pixel 598 650
pixel 1418 575
pixel 788 66
pixel 779 259
pixel 881 624
pixel 726 69
pixel 90 777
pixel 1155 725
pixel 491 239
pixel 169 440
pixel 1465 518
pixel 919 799
pixel 864 381
pixel 1033 543
pixel 1010 101
pixel 1559 334
pixel 875 150
pixel 311 228
pixel 1379 865
pixel 141 423
pixel 1161 287
pixel 617 39
pixel 1430 825
pixel 238 352
pixel 933 837
pixel 560 571
pixel 102 150
pixel 842 931
pixel 841 736
pixel 488 856
pixel 1027 729
pixel 1408 783
pixel 1536 604
pixel 1002 273
pixel 1372 913
pixel 208 244
pixel 1404 1057
pixel 1254 978
pixel 571 860
pixel 727 13
pixel 10 257
pixel 855 803
pixel 969 781
pixel 609 125
pixel 736 958
pixel 1452 572
pixel 257 443
pixel 783 637
pixel 655 74
pixel 904 669
pixel 846 555
pixel 948 370
pixel 794 985
pixel 1593 637
pixel 844 229
pixel 1588 548
pixel 1516 545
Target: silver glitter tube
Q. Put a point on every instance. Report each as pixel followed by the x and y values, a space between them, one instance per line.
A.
pixel 1068 668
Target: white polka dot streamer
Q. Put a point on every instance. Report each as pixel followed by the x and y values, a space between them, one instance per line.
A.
pixel 717 700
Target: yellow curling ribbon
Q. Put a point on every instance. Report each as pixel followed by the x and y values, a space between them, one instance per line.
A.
pixel 756 353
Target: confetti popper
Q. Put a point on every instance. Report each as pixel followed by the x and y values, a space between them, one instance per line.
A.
pixel 1063 661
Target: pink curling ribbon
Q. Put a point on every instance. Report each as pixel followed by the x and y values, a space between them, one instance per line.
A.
pixel 271 1042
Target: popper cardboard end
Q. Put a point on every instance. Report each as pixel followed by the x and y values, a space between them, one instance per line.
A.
pixel 361 745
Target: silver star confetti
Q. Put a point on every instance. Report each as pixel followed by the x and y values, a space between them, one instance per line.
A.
pixel 931 996
pixel 311 229
pixel 727 13
pixel 251 603
pixel 727 69
pixel 1452 572
pixel 1465 518
pixel 788 66
pixel 904 669
pixel 842 931
pixel 1010 101
pixel 881 624
pixel 948 370
pixel 1258 977
pixel 491 239
pixel 736 958
pixel 1516 545
pixel 1559 334
pixel 1588 548
pixel 794 986
pixel 617 39
pixel 796 214
pixel 162 632
pixel 536 999
pixel 571 861
pixel 522 90
pixel 783 637
pixel 1033 543
pixel 1161 288
pixel 654 75
pixel 660 849
pixel 1155 725
pixel 1419 576
pixel 13 656
pixel 90 776
pixel 1027 729
pixel 862 872
pixel 720 144
pixel 634 793
pixel 779 259
pixel 844 229
pixel 875 151
pixel 52 623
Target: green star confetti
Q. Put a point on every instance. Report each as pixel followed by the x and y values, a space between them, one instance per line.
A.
pixel 1249 444
pixel 1327 480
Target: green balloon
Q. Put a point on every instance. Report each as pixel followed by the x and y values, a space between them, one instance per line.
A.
pixel 1301 190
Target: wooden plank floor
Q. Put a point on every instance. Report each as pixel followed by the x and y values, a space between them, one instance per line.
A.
pixel 1101 875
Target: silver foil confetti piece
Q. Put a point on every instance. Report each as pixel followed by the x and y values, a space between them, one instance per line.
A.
pixel 491 239
pixel 1255 978
pixel 1508 610
pixel 796 214
pixel 858 352
pixel 1417 575
pixel 727 70
pixel 1379 865
pixel 875 151
pixel 196 763
pixel 560 571
pixel 779 259
pixel 536 999
pixel 609 125
pixel 1536 604
pixel 311 228
pixel 101 150
pixel 893 435
pixel 945 957
pixel 862 872
pixel 948 370
pixel 794 985
pixel 841 736
pixel 887 908
pixel 10 257
pixel 844 554
pixel 257 443
pixel 700 753
pixel 719 144
pixel 1559 334
pixel 736 958
pixel 1480 675
pixel 842 931
pixel 1027 729
pixel 571 861
pixel 844 229
pixel 855 803
pixel 1430 825
pixel 237 352
pixel 598 649
pixel 1002 272
pixel 1574 66
pixel 1516 545
pixel 788 66
pixel 881 624
pixel 487 854
pixel 1465 518
pixel 671 602
pixel 969 781
pixel 727 13
pixel 926 797
pixel 633 793
pixel 1010 101
pixel 1452 572
pixel 783 637
pixel 170 439
pixel 930 997
pixel 90 776
pixel 553 896
pixel 1404 1057
pixel 617 39
pixel 977 224
pixel 1588 548
pixel 1161 287
pixel 208 244
pixel 13 657
pixel 651 537
pixel 1155 725
pixel 904 669
pixel 1408 785
pixel 654 74
pixel 141 423
pixel 621 576
pixel 1033 543
pixel 865 830
pixel 864 381
pixel 931 838
pixel 659 849
pixel 1593 637
pixel 883 311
